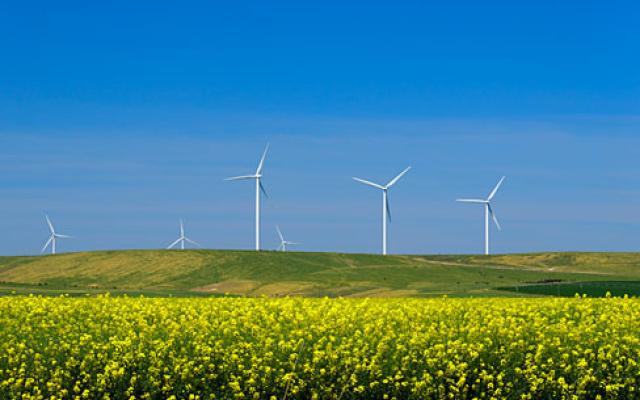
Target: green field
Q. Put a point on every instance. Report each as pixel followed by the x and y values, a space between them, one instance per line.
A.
pixel 215 273
pixel 591 289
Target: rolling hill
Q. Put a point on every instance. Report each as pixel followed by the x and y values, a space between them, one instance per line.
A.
pixel 217 272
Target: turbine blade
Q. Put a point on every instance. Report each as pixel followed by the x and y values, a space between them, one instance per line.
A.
pixel 375 185
pixel 495 189
pixel 49 223
pixel 394 180
pixel 262 189
pixel 261 164
pixel 174 243
pixel 493 216
pixel 63 236
pixel 279 233
pixel 181 228
pixel 287 242
pixel 47 244
pixel 471 201
pixel 388 209
pixel 237 178
pixel 192 241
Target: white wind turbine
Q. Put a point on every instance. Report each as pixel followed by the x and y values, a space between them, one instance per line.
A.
pixel 259 188
pixel 283 243
pixel 52 237
pixel 386 212
pixel 488 210
pixel 182 239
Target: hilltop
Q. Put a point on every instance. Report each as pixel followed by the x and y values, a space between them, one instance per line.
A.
pixel 217 272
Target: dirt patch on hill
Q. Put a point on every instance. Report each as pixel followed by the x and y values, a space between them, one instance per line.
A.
pixel 230 286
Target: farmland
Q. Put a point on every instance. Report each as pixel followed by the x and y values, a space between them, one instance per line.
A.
pixel 198 273
pixel 299 348
pixel 224 336
pixel 591 289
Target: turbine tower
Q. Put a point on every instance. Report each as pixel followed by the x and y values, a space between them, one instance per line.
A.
pixel 52 238
pixel 259 188
pixel 182 239
pixel 488 210
pixel 386 212
pixel 283 243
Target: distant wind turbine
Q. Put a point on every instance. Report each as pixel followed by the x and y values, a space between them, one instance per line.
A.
pixel 386 211
pixel 52 237
pixel 283 243
pixel 182 239
pixel 259 188
pixel 488 210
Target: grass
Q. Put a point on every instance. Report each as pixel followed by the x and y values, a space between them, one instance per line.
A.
pixel 209 272
pixel 591 289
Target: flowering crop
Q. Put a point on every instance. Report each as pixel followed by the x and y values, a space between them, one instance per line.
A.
pixel 295 348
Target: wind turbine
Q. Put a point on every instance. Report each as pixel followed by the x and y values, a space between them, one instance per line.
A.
pixel 487 211
pixel 283 243
pixel 52 237
pixel 386 212
pixel 182 239
pixel 259 188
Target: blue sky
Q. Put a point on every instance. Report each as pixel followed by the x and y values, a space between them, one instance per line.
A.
pixel 118 119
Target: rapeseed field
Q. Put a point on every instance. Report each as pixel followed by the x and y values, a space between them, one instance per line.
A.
pixel 299 348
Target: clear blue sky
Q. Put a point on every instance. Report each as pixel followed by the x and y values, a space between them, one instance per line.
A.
pixel 117 119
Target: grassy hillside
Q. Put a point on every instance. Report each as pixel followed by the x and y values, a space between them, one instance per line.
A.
pixel 208 272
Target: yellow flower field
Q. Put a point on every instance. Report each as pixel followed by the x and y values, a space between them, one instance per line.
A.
pixel 241 348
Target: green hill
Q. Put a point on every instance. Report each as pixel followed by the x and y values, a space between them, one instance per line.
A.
pixel 209 272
